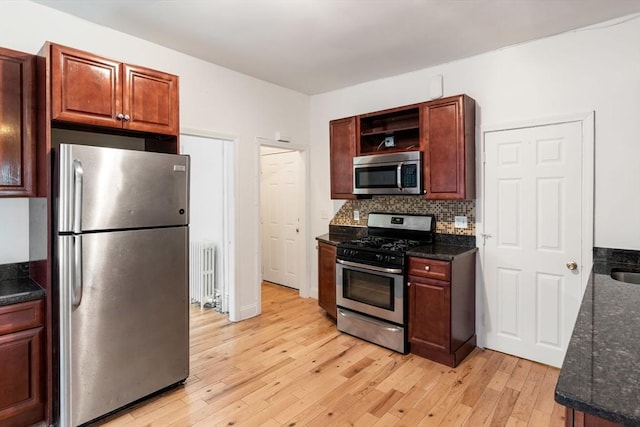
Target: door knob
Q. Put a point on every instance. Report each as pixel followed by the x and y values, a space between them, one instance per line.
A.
pixel 572 265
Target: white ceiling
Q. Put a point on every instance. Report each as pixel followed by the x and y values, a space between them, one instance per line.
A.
pixel 314 46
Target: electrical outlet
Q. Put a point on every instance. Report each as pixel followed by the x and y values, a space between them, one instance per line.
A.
pixel 460 222
pixel 356 215
pixel 324 214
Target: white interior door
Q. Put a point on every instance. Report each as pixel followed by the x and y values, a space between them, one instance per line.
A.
pixel 533 227
pixel 280 217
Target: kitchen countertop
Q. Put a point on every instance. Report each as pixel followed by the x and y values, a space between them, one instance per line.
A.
pixel 436 251
pixel 440 251
pixel 601 371
pixel 19 290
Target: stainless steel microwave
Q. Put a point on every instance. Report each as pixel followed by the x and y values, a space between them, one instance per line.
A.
pixel 394 173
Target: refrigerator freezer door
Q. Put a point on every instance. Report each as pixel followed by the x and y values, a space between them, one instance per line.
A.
pixel 106 188
pixel 129 334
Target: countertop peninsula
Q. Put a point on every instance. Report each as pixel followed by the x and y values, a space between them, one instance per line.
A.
pixel 600 374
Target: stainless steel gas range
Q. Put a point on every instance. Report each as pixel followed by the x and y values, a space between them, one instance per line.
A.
pixel 371 276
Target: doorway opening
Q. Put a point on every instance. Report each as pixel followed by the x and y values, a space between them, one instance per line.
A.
pixel 283 215
pixel 211 221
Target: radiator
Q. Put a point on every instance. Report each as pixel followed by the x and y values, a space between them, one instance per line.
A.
pixel 202 274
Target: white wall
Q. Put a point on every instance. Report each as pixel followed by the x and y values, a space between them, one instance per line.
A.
pixel 595 69
pixel 212 99
pixel 206 198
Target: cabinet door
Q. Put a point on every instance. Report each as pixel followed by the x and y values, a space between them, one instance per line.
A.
pixel 17 117
pixel 327 278
pixel 449 148
pixel 150 100
pixel 342 149
pixel 85 88
pixel 21 379
pixel 430 313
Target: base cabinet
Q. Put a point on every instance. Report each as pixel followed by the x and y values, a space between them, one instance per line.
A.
pixel 441 308
pixel 576 418
pixel 21 353
pixel 327 278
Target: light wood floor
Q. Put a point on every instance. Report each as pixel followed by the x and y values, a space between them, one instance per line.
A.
pixel 291 367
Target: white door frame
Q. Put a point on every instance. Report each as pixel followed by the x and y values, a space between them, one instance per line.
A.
pixel 303 202
pixel 587 121
pixel 228 249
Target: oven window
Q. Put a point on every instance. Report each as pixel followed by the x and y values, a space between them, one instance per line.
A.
pixel 368 288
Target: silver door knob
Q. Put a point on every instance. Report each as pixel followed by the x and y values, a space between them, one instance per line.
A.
pixel 120 116
pixel 427 268
pixel 572 265
pixel 126 118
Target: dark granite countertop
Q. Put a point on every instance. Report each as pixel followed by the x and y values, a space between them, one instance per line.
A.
pixel 333 238
pixel 15 285
pixel 600 374
pixel 14 291
pixel 440 251
pixel 446 247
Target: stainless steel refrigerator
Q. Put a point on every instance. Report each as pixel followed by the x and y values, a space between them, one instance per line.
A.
pixel 122 258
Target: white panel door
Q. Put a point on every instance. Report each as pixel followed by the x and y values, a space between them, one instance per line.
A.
pixel 280 218
pixel 533 205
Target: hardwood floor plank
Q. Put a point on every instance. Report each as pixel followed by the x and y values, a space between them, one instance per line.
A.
pixel 526 401
pixel 484 406
pixel 291 367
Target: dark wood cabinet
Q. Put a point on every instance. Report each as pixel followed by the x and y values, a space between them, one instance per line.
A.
pixel 392 130
pixel 443 130
pixel 91 90
pixel 575 418
pixel 327 278
pixel 441 308
pixel 22 374
pixel 342 149
pixel 18 120
pixel 449 148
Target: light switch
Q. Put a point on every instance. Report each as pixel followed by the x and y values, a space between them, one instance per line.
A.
pixel 356 215
pixel 324 214
pixel 460 222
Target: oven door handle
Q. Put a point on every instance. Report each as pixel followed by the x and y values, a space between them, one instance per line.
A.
pixel 370 267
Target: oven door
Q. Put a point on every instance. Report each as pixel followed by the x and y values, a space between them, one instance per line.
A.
pixel 371 290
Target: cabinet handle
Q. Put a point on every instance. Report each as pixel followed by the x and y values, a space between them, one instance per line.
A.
pixel 408 284
pixel 120 116
pixel 126 118
pixel 427 268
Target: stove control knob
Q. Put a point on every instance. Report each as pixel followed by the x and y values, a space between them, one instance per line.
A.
pixel 379 257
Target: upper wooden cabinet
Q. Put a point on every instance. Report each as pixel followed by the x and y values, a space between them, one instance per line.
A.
pixel 443 129
pixel 96 91
pixel 396 129
pixel 17 123
pixel 449 148
pixel 342 149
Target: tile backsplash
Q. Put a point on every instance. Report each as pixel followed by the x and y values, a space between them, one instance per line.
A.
pixel 444 210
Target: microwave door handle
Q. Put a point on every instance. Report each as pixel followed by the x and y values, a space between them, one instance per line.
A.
pixel 399 176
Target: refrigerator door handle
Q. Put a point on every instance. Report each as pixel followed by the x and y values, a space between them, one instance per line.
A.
pixel 77 271
pixel 78 175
